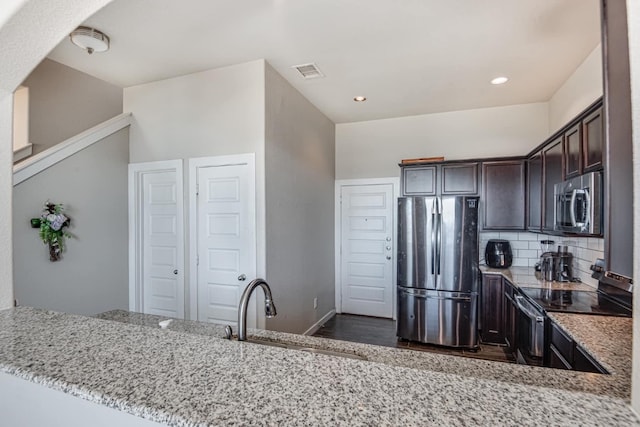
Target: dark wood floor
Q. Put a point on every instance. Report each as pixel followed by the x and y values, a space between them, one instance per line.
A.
pixel 377 331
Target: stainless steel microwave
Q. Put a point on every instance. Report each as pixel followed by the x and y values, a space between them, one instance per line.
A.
pixel 578 205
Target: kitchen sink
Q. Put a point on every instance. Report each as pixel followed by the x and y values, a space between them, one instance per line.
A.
pixel 306 349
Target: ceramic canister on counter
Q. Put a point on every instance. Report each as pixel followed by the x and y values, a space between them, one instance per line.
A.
pixel 498 254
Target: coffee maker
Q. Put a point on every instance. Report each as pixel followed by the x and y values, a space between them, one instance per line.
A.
pixel 563 265
pixel 555 265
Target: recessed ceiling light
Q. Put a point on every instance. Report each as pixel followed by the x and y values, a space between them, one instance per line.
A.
pixel 360 98
pixel 499 80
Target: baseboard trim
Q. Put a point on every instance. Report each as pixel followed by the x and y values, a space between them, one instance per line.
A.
pixel 314 328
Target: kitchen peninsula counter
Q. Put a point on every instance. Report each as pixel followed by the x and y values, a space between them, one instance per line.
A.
pixel 186 375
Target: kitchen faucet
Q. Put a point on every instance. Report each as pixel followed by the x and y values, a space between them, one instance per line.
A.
pixel 269 306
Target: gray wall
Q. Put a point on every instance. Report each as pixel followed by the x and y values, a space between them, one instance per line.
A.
pixel 64 102
pixel 300 174
pixel 210 113
pixel 92 275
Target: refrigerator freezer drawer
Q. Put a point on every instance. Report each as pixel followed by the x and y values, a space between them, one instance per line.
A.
pixel 442 318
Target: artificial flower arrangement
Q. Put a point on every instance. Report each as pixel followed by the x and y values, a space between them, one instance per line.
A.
pixel 52 224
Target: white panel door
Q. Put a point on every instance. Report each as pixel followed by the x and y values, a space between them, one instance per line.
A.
pixel 162 242
pixel 367 249
pixel 226 240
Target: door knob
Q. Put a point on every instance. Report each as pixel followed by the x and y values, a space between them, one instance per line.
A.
pixel 175 271
pixel 388 257
pixel 388 248
pixel 388 239
pixel 242 277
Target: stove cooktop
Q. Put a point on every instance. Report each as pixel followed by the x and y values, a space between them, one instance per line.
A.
pixel 583 302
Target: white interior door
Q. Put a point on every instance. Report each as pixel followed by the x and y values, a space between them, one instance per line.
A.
pixel 157 246
pixel 226 240
pixel 367 246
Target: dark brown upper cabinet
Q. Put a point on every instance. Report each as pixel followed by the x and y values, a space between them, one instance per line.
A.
pixel 534 192
pixel 552 175
pixel 573 151
pixel 503 195
pixel 592 141
pixel 453 178
pixel 419 181
pixel 459 179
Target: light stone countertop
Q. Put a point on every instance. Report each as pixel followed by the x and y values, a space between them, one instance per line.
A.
pixel 191 378
pixel 526 277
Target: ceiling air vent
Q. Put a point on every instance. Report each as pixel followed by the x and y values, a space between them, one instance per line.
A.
pixel 309 71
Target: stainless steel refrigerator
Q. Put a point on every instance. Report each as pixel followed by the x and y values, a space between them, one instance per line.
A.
pixel 438 274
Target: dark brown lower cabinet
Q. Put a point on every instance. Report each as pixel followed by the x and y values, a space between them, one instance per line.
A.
pixel 491 309
pixel 510 310
pixel 565 353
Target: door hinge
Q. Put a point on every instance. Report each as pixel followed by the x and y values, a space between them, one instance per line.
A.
pixel 197 259
pixel 197 189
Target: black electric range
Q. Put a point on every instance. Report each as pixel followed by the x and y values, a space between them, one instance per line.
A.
pixel 571 301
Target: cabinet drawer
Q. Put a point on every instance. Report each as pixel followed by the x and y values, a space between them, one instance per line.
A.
pixel 562 342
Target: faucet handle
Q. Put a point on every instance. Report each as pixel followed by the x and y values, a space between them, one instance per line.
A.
pixel 228 332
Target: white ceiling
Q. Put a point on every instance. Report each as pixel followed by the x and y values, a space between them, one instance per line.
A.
pixel 406 56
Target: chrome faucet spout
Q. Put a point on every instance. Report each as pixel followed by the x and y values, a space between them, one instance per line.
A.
pixel 269 306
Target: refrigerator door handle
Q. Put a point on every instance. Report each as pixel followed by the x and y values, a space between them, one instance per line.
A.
pixel 434 219
pixel 438 237
pixel 460 299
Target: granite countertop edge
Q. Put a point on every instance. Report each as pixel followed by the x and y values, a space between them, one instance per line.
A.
pixel 75 343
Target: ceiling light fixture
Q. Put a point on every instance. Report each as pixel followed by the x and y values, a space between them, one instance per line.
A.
pixel 90 39
pixel 360 98
pixel 499 80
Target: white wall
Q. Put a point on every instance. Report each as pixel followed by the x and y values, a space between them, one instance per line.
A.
pixel 6 178
pixel 300 174
pixel 213 112
pixel 633 22
pixel 64 102
pixel 21 49
pixel 210 113
pixel 373 149
pixel 92 275
pixel 579 91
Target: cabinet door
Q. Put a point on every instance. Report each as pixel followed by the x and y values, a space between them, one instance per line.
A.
pixel 492 316
pixel 510 316
pixel 534 192
pixel 592 141
pixel 419 181
pixel 503 195
pixel 552 173
pixel 562 342
pixel 459 179
pixel 582 361
pixel 573 151
pixel 556 360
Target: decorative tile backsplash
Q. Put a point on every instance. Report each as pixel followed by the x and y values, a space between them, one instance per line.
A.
pixel 526 250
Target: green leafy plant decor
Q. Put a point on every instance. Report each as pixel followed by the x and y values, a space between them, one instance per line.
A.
pixel 52 224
